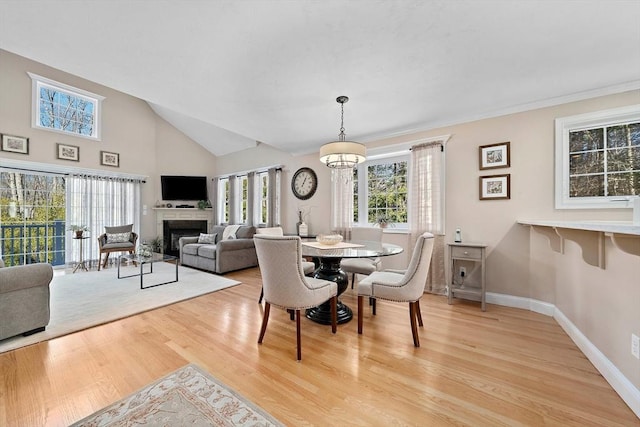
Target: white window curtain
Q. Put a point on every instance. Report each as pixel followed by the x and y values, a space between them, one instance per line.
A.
pixel 215 195
pixel 254 198
pixel 342 201
pixel 426 206
pixel 97 202
pixel 274 197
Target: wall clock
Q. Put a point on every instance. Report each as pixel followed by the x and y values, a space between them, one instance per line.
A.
pixel 304 183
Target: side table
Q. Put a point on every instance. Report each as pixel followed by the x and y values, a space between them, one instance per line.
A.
pixel 469 252
pixel 81 264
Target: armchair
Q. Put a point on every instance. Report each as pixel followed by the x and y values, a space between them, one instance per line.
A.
pixel 116 239
pixel 24 299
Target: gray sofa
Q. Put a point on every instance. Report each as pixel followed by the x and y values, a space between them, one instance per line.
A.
pixel 222 256
pixel 24 299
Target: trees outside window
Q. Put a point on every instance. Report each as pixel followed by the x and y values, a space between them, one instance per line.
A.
pixel 598 159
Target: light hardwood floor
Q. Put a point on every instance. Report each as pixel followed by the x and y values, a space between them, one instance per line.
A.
pixel 503 367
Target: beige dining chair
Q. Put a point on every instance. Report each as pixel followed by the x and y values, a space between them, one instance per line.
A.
pixel 364 266
pixel 395 286
pixel 285 285
pixel 307 266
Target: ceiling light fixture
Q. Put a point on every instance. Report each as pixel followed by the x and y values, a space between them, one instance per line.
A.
pixel 342 154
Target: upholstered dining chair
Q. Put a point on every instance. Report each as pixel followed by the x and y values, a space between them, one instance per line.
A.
pixel 307 266
pixel 364 266
pixel 285 285
pixel 116 239
pixel 399 287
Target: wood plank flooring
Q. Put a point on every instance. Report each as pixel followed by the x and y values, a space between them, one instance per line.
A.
pixel 503 367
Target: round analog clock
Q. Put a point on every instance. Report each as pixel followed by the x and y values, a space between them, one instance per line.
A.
pixel 304 183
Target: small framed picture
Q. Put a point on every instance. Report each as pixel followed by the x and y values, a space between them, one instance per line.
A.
pixel 495 187
pixel 15 144
pixel 109 159
pixel 495 156
pixel 68 152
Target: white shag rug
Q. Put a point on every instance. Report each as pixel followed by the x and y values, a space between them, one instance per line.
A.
pixel 86 299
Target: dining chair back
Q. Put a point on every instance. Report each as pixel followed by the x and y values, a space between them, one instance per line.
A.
pixel 285 285
pixel 307 266
pixel 364 266
pixel 401 287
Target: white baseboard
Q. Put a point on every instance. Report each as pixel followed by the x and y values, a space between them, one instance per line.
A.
pixel 625 389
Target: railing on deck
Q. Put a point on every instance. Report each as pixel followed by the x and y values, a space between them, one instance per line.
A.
pixel 33 242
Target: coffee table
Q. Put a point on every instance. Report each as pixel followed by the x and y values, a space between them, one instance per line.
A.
pixel 147 260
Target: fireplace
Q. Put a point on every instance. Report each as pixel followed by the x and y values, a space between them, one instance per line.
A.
pixel 173 230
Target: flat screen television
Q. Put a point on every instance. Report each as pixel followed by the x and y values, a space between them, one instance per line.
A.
pixel 184 187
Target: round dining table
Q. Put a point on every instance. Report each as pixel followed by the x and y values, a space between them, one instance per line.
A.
pixel 327 259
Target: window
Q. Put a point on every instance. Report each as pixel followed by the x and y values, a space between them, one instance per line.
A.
pixel 225 194
pixel 598 159
pixel 381 191
pixel 263 179
pixel 244 199
pixel 61 108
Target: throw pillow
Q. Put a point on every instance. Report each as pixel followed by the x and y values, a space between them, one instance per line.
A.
pixel 118 237
pixel 207 238
pixel 230 232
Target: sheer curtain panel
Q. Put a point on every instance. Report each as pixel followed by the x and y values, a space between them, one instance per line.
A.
pixel 97 202
pixel 342 201
pixel 426 206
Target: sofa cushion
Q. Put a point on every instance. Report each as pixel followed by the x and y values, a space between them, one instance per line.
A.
pixel 246 232
pixel 191 248
pixel 207 238
pixel 207 251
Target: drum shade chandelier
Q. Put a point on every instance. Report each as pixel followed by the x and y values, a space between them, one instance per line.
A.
pixel 342 154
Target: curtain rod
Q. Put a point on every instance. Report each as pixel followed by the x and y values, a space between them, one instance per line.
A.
pixel 243 173
pixel 41 172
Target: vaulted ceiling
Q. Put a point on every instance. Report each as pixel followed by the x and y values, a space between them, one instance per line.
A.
pixel 230 73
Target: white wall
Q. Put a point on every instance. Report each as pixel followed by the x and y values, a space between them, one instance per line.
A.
pixel 147 144
pixel 603 304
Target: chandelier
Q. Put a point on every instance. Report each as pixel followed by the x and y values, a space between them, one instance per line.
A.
pixel 342 154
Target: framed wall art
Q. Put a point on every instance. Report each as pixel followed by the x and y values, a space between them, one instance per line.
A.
pixel 109 159
pixel 495 156
pixel 68 152
pixel 495 187
pixel 15 144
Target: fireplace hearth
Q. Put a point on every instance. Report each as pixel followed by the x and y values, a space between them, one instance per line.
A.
pixel 174 229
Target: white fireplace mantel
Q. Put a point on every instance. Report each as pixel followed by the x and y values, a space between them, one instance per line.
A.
pixel 182 214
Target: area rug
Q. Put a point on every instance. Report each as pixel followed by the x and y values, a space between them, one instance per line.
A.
pixel 85 299
pixel 186 397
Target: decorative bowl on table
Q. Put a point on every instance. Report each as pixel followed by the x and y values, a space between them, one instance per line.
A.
pixel 329 239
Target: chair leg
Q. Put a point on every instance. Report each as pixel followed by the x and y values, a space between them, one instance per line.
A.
pixel 105 260
pixel 261 295
pixel 353 280
pixel 298 334
pixel 135 264
pixel 292 314
pixel 372 301
pixel 414 326
pixel 334 314
pixel 419 313
pixel 360 298
pixel 99 260
pixel 265 320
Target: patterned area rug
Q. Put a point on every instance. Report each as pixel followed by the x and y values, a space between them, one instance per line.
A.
pixel 188 396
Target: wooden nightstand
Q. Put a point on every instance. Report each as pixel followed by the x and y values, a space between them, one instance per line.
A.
pixel 467 252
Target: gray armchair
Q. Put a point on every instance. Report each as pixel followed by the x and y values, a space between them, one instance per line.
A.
pixel 112 241
pixel 24 299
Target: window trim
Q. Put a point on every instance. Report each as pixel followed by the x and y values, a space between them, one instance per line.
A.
pixel 563 126
pixel 38 81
